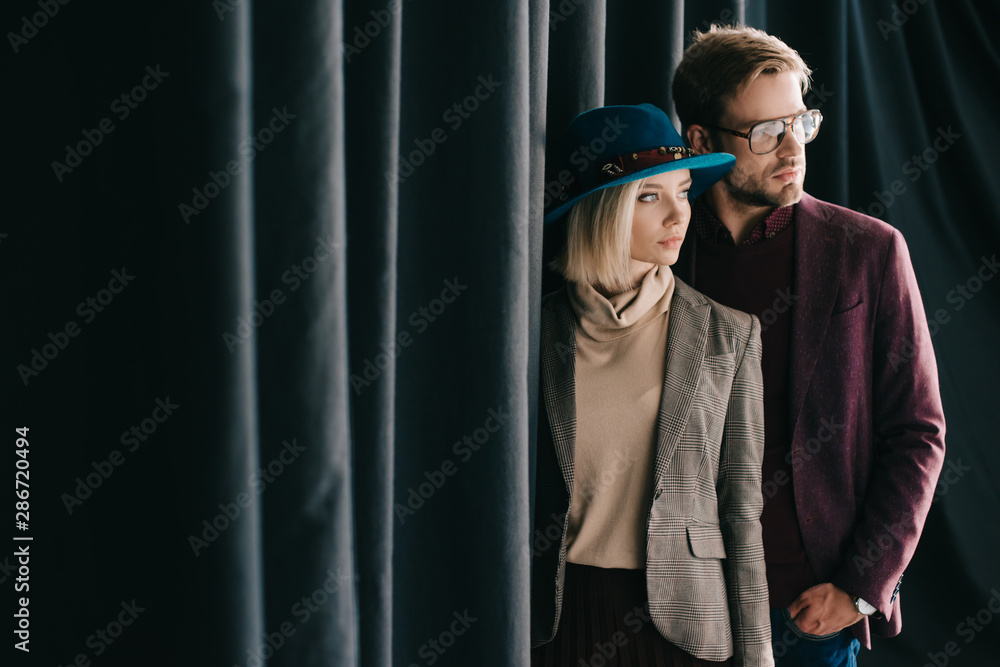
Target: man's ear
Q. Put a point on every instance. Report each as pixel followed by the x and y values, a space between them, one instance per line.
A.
pixel 698 139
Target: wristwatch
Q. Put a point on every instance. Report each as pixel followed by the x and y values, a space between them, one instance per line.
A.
pixel 863 607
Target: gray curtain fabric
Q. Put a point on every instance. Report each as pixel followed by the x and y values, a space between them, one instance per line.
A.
pixel 442 160
pixel 271 280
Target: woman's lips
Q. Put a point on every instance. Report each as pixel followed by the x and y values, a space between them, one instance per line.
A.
pixel 673 242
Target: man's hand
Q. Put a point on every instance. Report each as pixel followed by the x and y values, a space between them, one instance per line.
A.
pixel 823 610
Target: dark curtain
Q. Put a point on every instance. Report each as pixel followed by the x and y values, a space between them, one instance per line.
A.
pixel 271 275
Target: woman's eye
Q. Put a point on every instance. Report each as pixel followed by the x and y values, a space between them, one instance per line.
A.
pixel 684 195
pixel 648 196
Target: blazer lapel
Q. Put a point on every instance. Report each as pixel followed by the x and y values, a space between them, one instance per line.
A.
pixel 687 333
pixel 819 259
pixel 559 381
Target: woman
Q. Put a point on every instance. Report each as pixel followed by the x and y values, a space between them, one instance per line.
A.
pixel 647 545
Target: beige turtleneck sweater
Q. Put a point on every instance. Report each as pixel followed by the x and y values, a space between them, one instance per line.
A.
pixel 621 345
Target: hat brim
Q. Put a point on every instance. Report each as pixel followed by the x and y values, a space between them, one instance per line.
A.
pixel 705 171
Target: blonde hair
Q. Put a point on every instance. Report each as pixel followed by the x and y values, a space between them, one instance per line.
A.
pixel 723 61
pixel 599 239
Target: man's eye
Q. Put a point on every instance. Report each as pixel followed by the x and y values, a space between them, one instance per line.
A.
pixel 771 128
pixel 648 196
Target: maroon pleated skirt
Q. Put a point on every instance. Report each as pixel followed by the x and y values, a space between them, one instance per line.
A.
pixel 605 623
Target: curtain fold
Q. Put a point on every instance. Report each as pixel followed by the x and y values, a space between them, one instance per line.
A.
pixel 372 71
pixel 310 543
pixel 461 415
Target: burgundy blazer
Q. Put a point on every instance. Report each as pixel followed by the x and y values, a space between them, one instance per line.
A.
pixel 866 418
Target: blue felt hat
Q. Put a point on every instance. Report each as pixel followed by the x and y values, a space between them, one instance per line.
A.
pixel 619 144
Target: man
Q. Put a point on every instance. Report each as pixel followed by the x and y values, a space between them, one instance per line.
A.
pixel 854 429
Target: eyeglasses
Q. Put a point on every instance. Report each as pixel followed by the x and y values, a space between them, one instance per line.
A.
pixel 766 136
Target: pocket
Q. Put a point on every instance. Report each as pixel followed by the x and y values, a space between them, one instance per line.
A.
pixel 846 309
pixel 848 317
pixel 805 635
pixel 705 540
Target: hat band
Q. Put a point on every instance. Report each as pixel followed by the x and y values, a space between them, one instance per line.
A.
pixel 619 166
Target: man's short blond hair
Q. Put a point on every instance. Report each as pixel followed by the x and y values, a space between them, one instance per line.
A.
pixel 722 62
pixel 599 239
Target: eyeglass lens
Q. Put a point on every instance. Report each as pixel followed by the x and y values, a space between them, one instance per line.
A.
pixel 765 137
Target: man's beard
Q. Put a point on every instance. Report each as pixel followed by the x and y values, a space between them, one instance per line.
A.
pixel 751 191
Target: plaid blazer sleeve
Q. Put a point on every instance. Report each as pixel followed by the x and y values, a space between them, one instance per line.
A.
pixel 740 506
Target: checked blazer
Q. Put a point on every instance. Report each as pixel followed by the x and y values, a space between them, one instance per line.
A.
pixel 705 574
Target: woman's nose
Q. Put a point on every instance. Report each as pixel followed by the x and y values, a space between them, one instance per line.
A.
pixel 678 212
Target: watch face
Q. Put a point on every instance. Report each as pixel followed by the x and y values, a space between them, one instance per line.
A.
pixel 864 607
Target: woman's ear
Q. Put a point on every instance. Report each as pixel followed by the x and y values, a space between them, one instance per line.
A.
pixel 698 139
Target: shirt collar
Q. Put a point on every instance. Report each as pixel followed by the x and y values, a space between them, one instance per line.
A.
pixel 710 228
